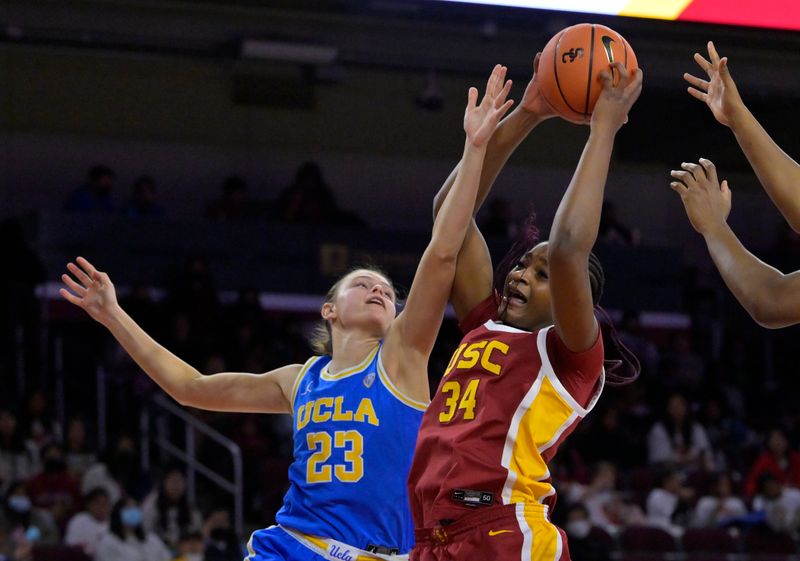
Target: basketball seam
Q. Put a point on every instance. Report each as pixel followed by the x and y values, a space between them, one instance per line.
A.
pixel 589 81
pixel 555 73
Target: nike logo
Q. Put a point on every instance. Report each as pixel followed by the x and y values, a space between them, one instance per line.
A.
pixel 609 54
pixel 494 533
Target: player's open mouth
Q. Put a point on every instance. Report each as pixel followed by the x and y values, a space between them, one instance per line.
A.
pixel 377 300
pixel 516 297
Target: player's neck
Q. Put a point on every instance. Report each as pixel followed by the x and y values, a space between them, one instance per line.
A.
pixel 350 349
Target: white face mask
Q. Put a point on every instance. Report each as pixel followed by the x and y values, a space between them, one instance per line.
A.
pixel 579 529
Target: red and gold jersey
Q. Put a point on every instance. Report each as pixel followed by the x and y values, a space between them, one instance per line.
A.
pixel 499 415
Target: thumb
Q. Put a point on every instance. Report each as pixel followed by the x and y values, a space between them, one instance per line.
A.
pixel 472 97
pixel 536 62
pixel 725 188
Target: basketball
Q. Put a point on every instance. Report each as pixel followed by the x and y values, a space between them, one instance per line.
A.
pixel 570 65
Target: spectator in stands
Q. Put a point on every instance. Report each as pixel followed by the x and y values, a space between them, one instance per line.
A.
pixel 777 460
pixel 232 205
pixel 603 502
pixel 779 504
pixel 632 335
pixel 117 472
pixel 681 367
pixel 79 455
pixel 309 200
pixel 144 199
pixel 191 548
pixel 12 548
pixel 18 458
pixel 720 506
pixel 40 424
pixel 609 440
pixel 55 489
pixel 20 517
pixel 612 230
pixel 86 528
pixel 167 511
pixel 127 540
pixel 499 223
pixel 582 545
pixel 221 541
pixel 669 505
pixel 95 194
pixel 678 439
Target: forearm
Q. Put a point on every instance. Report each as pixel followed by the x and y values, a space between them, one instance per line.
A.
pixel 750 280
pixel 455 214
pixel 577 220
pixel 507 136
pixel 167 370
pixel 776 170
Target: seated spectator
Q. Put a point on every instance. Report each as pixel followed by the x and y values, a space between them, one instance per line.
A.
pixel 720 507
pixel 668 505
pixel 677 439
pixel 499 222
pixel 144 199
pixel 39 422
pixel 85 529
pixel 191 547
pixel 232 205
pixel 582 545
pixel 605 505
pixel 126 539
pixel 95 194
pixel 221 541
pixel 117 472
pixel 167 512
pixel 55 489
pixel 780 505
pixel 79 455
pixel 21 518
pixel 309 200
pixel 18 458
pixel 612 230
pixel 681 367
pixel 777 460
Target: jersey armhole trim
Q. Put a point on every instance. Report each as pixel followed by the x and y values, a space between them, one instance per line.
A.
pixel 389 385
pixel 300 375
pixel 541 343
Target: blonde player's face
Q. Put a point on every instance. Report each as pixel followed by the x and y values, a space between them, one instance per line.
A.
pixel 526 293
pixel 366 300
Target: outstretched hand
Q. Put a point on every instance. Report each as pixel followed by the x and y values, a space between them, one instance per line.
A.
pixel 90 290
pixel 719 92
pixel 616 100
pixel 707 202
pixel 481 119
pixel 532 100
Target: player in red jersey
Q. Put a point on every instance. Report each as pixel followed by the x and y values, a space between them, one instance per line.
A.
pixel 529 367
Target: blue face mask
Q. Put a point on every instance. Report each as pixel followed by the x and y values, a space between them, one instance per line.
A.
pixel 19 503
pixel 131 516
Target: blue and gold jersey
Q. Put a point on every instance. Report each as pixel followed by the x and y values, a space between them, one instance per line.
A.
pixel 354 439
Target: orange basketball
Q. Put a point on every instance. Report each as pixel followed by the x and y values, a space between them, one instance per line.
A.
pixel 571 62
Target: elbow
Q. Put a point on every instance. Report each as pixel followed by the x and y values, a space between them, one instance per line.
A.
pixel 765 313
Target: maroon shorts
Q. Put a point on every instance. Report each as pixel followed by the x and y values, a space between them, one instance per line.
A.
pixel 515 532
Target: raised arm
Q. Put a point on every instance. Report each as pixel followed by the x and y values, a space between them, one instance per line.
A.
pixel 412 335
pixel 769 296
pixel 93 291
pixel 473 280
pixel 575 226
pixel 778 173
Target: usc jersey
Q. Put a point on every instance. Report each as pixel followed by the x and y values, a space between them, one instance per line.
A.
pixel 498 417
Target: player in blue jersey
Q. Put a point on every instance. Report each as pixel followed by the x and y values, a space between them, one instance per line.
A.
pixel 358 406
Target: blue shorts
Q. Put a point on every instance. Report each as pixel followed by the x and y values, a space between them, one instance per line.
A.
pixel 274 544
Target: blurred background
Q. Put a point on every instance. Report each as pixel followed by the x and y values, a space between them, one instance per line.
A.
pixel 225 162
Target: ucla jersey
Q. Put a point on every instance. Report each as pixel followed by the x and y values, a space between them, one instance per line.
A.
pixel 354 439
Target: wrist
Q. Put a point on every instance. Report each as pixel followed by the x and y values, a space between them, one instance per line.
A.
pixel 603 131
pixel 739 116
pixel 714 229
pixel 471 148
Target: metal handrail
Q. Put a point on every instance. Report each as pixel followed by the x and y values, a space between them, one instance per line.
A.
pixel 193 466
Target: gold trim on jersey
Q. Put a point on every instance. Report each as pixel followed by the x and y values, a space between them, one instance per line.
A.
pixel 389 385
pixel 321 546
pixel 300 375
pixel 541 540
pixel 326 375
pixel 545 413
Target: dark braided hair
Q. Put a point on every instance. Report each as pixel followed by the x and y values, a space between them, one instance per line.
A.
pixel 620 371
